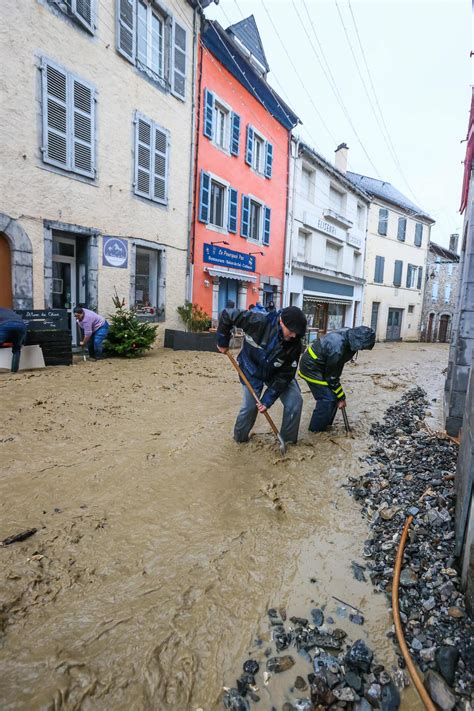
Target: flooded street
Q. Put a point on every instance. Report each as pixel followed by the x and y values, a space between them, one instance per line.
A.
pixel 161 543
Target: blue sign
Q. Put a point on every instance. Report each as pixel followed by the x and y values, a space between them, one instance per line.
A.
pixel 115 252
pixel 215 254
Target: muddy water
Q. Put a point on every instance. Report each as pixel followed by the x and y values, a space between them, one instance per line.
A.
pixel 161 542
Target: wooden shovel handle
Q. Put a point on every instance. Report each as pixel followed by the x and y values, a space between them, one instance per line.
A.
pixel 252 391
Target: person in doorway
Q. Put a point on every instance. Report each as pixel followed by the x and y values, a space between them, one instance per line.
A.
pixel 269 356
pixel 271 306
pixel 322 365
pixel 12 330
pixel 95 329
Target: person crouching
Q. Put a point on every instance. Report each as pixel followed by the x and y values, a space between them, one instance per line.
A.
pixel 95 329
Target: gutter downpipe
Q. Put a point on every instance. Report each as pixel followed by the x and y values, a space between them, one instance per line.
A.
pixel 290 202
pixel 189 257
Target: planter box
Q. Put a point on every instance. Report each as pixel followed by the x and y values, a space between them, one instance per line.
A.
pixel 169 337
pixel 186 341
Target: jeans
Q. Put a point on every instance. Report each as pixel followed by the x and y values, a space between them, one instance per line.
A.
pixel 96 343
pixel 292 406
pixel 13 332
pixel 325 409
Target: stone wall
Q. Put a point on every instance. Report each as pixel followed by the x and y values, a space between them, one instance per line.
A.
pixel 441 273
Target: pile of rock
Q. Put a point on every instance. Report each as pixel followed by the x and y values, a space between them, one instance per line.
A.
pixel 343 676
pixel 412 472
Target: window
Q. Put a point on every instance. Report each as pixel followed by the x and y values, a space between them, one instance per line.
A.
pixel 307 183
pixel 360 216
pixel 437 265
pixel 411 276
pixel 402 228
pixel 82 11
pixel 447 293
pixel 149 38
pixel 146 278
pixel 383 221
pixel 151 160
pixel 379 268
pixel 397 273
pixel 411 308
pixel 374 315
pixel 336 199
pixel 221 117
pixel 336 316
pixel 217 203
pixel 418 234
pixel 68 108
pixel 450 269
pixel 331 259
pixel 220 124
pixel 255 220
pixel 357 263
pixel 303 240
pixel 257 157
pixel 217 207
pixel 434 291
pixel 259 153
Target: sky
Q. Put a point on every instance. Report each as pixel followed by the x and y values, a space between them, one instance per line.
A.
pixel 400 98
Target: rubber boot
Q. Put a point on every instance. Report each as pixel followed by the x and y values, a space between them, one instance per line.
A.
pixel 15 362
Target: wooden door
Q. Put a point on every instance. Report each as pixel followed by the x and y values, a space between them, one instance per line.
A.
pixel 394 324
pixel 443 328
pixel 6 296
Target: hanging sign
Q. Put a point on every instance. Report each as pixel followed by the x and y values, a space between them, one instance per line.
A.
pixel 115 252
pixel 215 254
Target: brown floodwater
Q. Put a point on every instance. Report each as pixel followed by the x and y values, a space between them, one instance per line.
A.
pixel 161 542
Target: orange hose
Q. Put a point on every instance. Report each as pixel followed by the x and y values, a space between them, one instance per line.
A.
pixel 425 697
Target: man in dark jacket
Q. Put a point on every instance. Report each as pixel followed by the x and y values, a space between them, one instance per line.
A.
pixel 322 365
pixel 269 356
pixel 12 330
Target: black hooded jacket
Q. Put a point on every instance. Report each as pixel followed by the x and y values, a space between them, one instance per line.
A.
pixel 323 361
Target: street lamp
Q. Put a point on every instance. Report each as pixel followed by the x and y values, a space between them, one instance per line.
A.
pixel 251 253
pixel 221 242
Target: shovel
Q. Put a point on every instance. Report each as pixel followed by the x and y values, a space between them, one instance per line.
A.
pixel 346 420
pixel 252 391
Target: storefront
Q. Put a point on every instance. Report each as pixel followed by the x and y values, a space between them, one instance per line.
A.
pixel 325 314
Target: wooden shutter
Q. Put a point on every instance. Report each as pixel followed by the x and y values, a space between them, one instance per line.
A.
pixel 379 269
pixel 408 281
pixel 420 277
pixel 83 149
pixel 160 165
pixel 204 197
pixel 83 10
pixel 178 71
pixel 126 32
pixel 402 225
pixel 235 134
pixel 267 213
pixel 55 115
pixel 418 234
pixel 397 273
pixel 232 226
pixel 245 217
pixel 208 113
pixel 268 159
pixel 249 147
pixel 143 156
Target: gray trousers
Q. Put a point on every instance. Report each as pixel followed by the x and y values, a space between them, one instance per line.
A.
pixel 292 405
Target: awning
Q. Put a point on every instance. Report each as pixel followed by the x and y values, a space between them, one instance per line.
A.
pixel 239 276
pixel 326 300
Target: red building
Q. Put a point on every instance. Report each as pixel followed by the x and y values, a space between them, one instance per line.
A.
pixel 242 146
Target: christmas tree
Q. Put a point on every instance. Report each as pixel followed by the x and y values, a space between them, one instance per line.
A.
pixel 128 337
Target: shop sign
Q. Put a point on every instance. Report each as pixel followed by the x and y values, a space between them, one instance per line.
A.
pixel 326 227
pixel 115 252
pixel 354 240
pixel 44 319
pixel 215 254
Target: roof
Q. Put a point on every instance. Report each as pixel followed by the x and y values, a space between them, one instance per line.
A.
pixel 386 191
pixel 443 252
pixel 330 168
pixel 247 32
pixel 229 54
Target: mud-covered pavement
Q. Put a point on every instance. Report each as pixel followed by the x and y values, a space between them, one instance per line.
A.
pixel 161 543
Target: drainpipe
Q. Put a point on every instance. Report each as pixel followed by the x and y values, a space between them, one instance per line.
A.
pixel 192 169
pixel 289 219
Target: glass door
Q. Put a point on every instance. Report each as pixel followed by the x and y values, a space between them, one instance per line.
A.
pixel 64 280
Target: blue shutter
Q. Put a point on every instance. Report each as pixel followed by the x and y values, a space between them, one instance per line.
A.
pixel 126 30
pixel 402 225
pixel 208 111
pixel 249 149
pixel 268 159
pixel 235 134
pixel 232 210
pixel 397 272
pixel 204 197
pixel 420 277
pixel 379 268
pixel 408 281
pixel 266 225
pixel 418 234
pixel 244 221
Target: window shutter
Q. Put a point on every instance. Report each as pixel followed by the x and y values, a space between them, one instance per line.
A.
pixel 204 197
pixel 420 277
pixel 397 272
pixel 126 29
pixel 83 10
pixel 408 282
pixel 55 115
pixel 232 210
pixel 266 225
pixel 178 72
pixel 143 149
pixel 402 224
pixel 379 269
pixel 83 149
pixel 235 134
pixel 268 159
pixel 208 111
pixel 418 234
pixel 244 223
pixel 249 148
pixel 383 221
pixel 160 165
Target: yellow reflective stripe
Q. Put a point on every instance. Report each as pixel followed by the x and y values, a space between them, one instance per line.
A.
pixel 337 389
pixel 312 353
pixel 312 380
pixel 341 395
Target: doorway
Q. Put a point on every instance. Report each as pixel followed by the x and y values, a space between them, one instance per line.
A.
pixel 443 328
pixel 227 292
pixel 6 295
pixel 64 290
pixel 394 324
pixel 429 333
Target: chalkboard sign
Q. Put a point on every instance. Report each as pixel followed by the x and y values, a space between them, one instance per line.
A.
pixel 45 319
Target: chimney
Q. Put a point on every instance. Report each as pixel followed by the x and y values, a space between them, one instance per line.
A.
pixel 453 243
pixel 340 157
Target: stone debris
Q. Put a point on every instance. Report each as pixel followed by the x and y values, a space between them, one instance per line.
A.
pixel 411 473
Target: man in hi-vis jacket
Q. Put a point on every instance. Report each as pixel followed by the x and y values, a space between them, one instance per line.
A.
pixel 322 365
pixel 269 356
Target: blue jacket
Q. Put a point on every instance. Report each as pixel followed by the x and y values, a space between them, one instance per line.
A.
pixel 265 358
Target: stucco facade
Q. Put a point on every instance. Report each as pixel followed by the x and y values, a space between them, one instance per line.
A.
pixel 326 241
pixel 126 130
pixel 439 302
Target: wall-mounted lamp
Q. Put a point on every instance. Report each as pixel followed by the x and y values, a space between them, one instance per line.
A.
pixel 261 253
pixel 207 282
pixel 254 289
pixel 221 242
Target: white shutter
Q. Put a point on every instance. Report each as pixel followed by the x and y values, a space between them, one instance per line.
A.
pixel 82 112
pixel 83 10
pixel 160 165
pixel 55 115
pixel 178 65
pixel 143 153
pixel 126 39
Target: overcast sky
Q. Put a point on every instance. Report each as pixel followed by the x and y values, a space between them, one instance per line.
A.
pixel 417 54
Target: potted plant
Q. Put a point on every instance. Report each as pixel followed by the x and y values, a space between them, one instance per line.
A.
pixel 196 336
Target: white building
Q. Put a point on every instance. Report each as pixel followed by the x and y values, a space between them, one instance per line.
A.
pixel 326 235
pixel 395 266
pixel 96 145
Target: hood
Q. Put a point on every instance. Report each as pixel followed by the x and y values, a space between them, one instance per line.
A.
pixel 361 338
